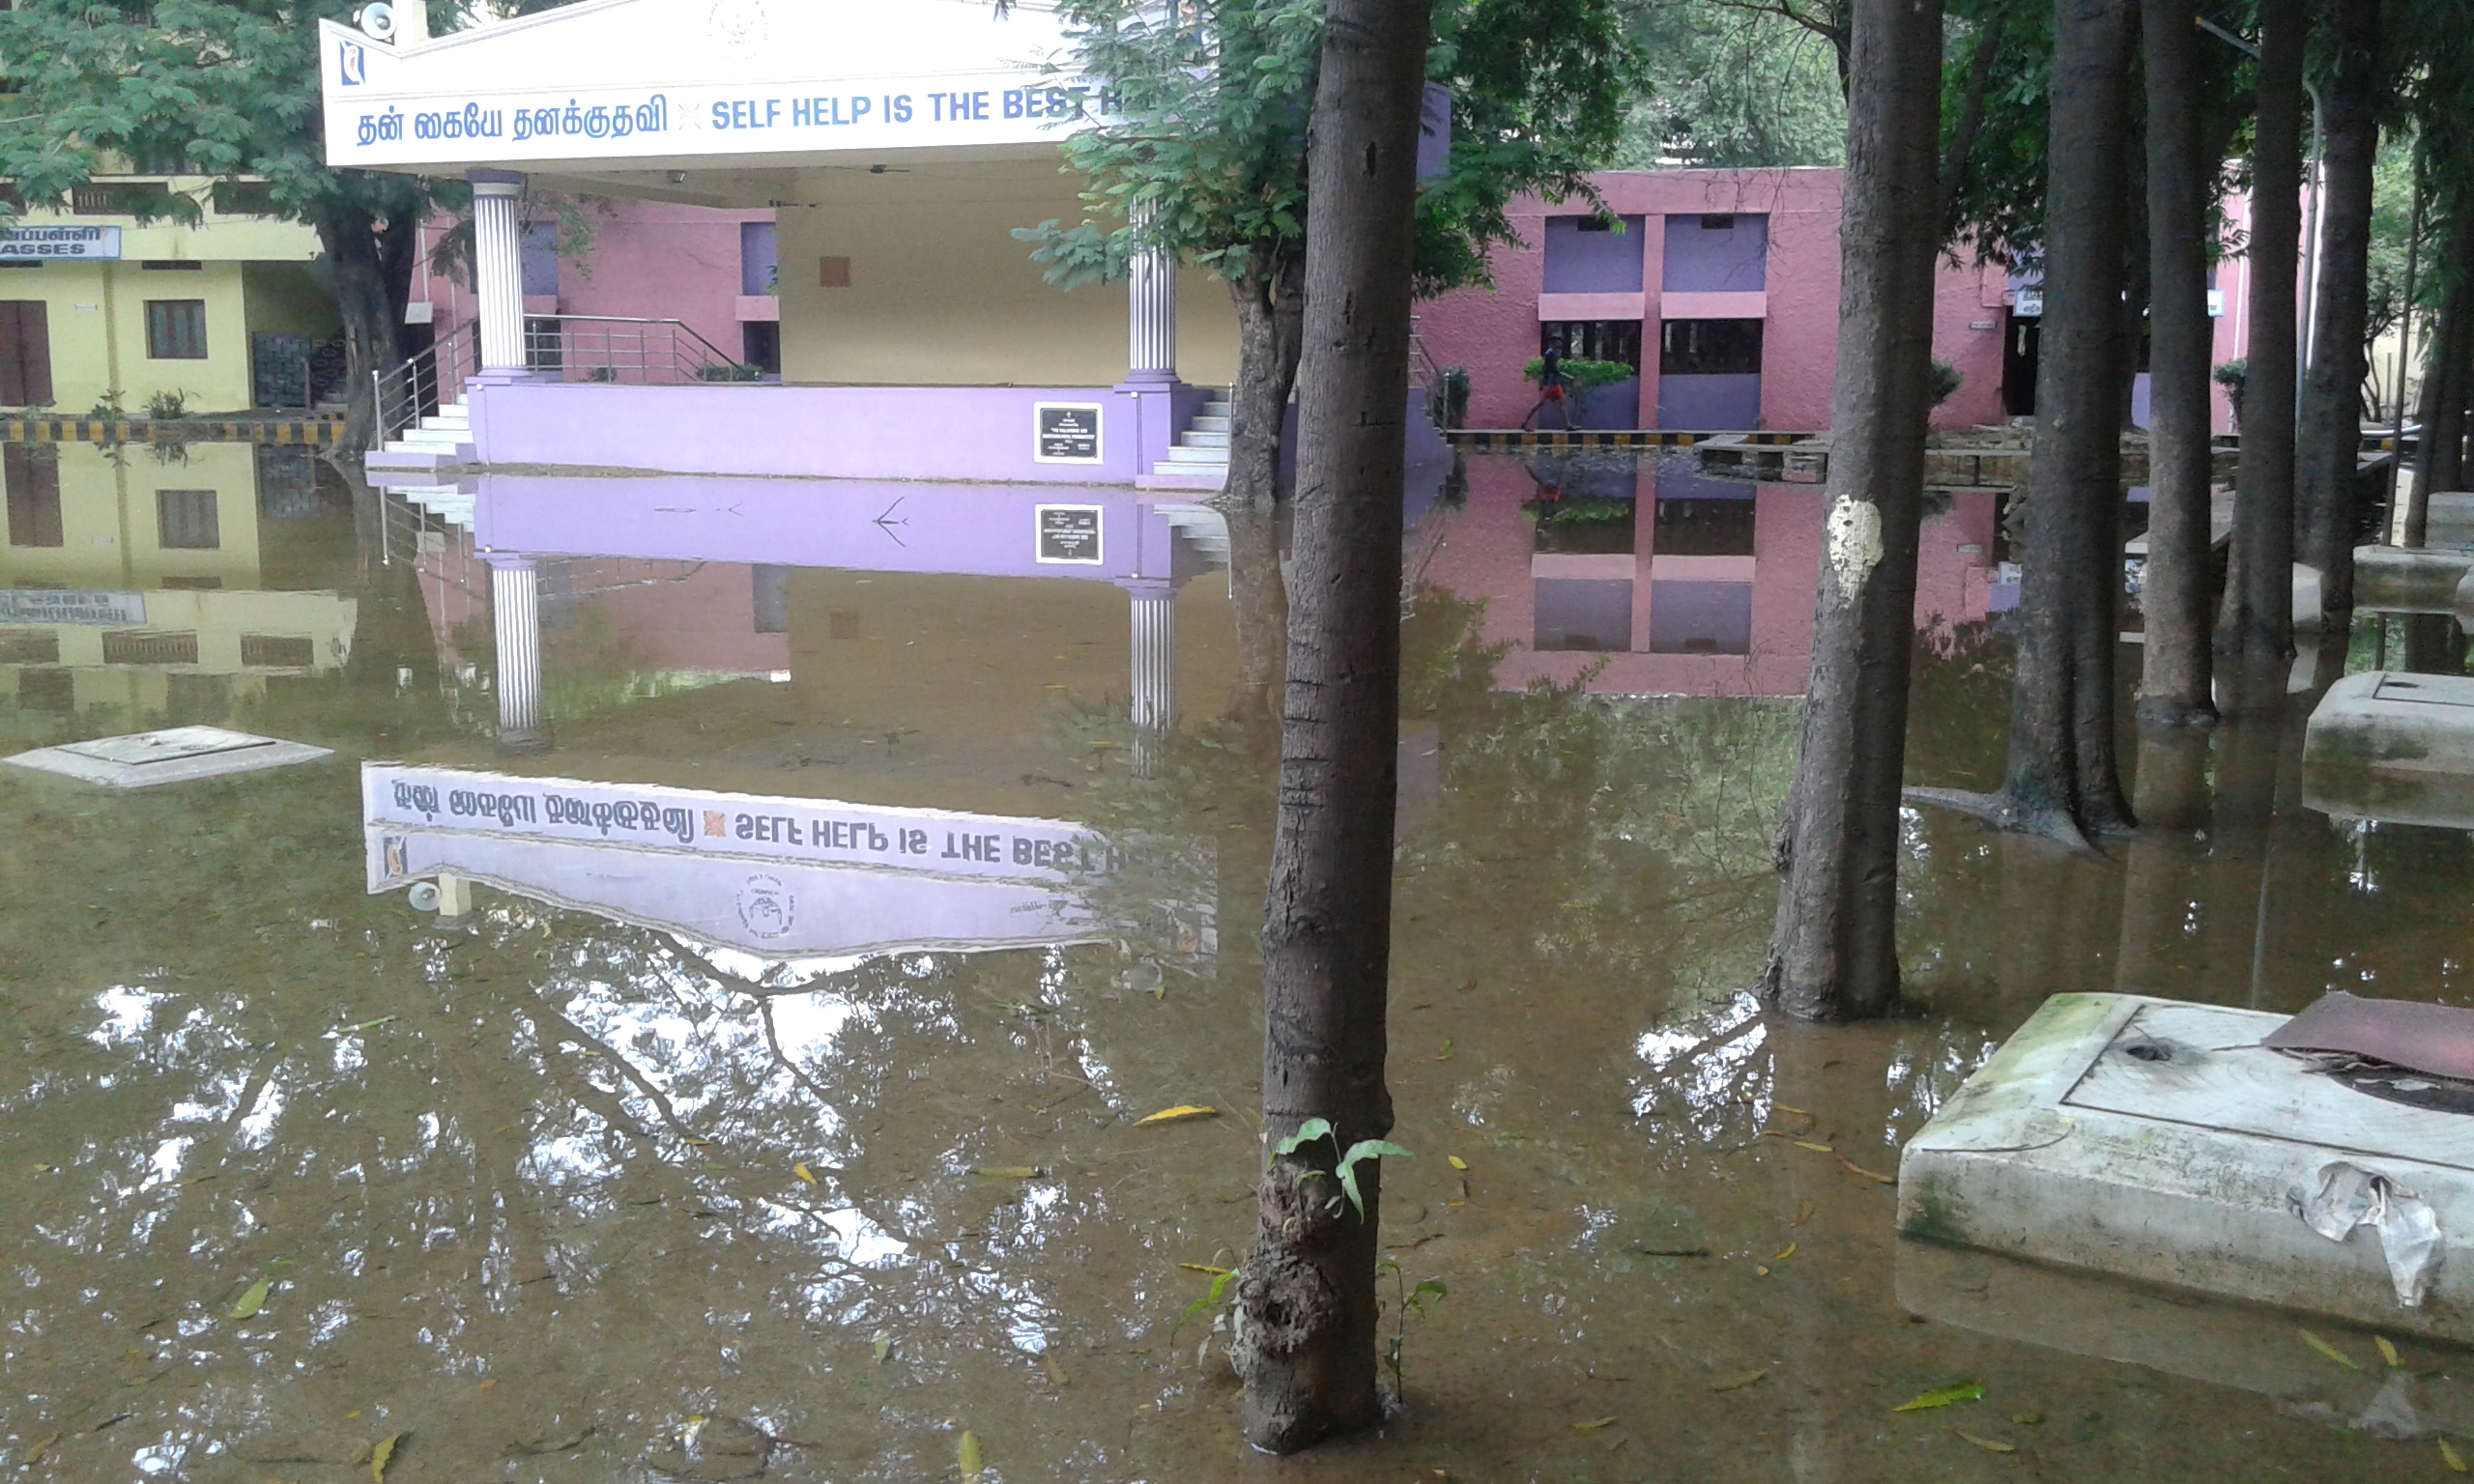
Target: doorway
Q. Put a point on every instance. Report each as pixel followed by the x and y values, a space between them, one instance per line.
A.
pixel 25 353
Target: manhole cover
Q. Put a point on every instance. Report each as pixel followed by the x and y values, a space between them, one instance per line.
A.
pixel 176 755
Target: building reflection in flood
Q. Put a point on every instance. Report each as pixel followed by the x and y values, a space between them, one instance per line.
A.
pixel 149 580
pixel 1652 579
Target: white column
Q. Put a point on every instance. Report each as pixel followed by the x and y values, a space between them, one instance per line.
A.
pixel 498 268
pixel 1151 302
pixel 515 620
pixel 1154 680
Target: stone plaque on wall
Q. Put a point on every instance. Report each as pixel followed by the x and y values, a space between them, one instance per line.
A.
pixel 1069 533
pixel 1065 432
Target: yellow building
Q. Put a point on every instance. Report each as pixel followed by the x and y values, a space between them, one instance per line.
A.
pixel 98 302
pixel 132 576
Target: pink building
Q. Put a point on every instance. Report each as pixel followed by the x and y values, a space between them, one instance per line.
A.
pixel 710 268
pixel 1721 289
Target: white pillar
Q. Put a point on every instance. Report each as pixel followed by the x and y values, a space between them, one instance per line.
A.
pixel 1151 302
pixel 1154 680
pixel 515 620
pixel 498 268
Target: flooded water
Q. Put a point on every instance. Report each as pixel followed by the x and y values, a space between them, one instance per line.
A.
pixel 814 1109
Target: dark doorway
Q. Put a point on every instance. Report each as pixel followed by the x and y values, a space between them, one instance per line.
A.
pixel 761 342
pixel 25 353
pixel 2019 365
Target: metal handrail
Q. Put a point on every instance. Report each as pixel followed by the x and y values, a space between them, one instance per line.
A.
pixel 622 348
pixel 416 389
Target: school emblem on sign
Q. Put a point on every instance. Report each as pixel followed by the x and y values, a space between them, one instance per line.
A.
pixel 766 907
pixel 741 25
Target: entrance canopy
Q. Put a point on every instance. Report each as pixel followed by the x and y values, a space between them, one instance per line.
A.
pixel 635 93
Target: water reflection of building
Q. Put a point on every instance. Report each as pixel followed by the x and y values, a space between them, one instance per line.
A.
pixel 139 577
pixel 1654 579
pixel 849 589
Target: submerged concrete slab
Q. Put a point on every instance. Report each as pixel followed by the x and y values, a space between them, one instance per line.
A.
pixel 2393 746
pixel 178 754
pixel 2398 579
pixel 2157 1140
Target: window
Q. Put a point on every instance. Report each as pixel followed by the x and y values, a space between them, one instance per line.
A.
pixel 541 260
pixel 759 258
pixel 46 690
pixel 184 521
pixel 146 647
pixel 192 584
pixel 1585 255
pixel 1710 348
pixel 279 651
pixel 1717 222
pixel 171 266
pixel 1592 340
pixel 120 198
pixel 244 198
pixel 31 473
pixel 176 328
pixel 29 647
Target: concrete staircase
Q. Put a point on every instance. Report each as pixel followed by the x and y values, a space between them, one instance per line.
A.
pixel 450 505
pixel 1203 528
pixel 442 439
pixel 1201 451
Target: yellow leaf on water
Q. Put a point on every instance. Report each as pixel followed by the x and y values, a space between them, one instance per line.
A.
pixel 968 1457
pixel 1761 1272
pixel 1804 1212
pixel 1205 1268
pixel 2330 1350
pixel 801 1171
pixel 2387 1352
pixel 1989 1444
pixel 884 1346
pixel 2448 1456
pixel 1594 1426
pixel 1818 1148
pixel 1180 1112
pixel 1737 1383
pixel 1456 1162
pixel 380 1456
pixel 1963 1391
pixel 1008 1171
pixel 2027 1419
pixel 255 1300
pixel 1788 1253
pixel 1784 1108
pixel 1852 1168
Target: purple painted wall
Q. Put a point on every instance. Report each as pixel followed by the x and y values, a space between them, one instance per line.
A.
pixel 1718 403
pixel 1581 260
pixel 1701 259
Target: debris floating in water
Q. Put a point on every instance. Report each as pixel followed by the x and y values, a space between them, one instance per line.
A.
pixel 1963 1391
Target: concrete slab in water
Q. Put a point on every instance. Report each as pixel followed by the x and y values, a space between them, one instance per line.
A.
pixel 2398 579
pixel 2157 1140
pixel 177 754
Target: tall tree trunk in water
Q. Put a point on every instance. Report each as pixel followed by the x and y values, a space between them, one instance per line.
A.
pixel 2175 585
pixel 1833 950
pixel 2257 619
pixel 2329 438
pixel 2064 779
pixel 1307 1290
pixel 2440 464
pixel 1270 316
pixel 368 314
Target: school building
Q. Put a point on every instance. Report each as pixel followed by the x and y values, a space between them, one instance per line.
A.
pixel 109 301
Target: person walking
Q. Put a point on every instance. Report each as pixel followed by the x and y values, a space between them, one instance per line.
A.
pixel 1551 389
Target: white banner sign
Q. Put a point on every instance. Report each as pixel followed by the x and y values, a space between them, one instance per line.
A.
pixel 88 244
pixel 83 609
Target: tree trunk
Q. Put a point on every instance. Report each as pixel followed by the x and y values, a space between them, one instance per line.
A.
pixel 2329 439
pixel 2173 683
pixel 2257 619
pixel 2440 464
pixel 2063 777
pixel 1971 120
pixel 1270 313
pixel 362 302
pixel 1833 950
pixel 1307 1292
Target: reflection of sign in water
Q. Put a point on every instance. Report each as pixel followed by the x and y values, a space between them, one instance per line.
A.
pixel 89 610
pixel 91 244
pixel 1068 533
pixel 778 876
pixel 1066 432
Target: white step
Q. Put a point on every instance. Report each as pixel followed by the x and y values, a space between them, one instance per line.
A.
pixel 1217 407
pixel 1192 439
pixel 1204 424
pixel 1189 458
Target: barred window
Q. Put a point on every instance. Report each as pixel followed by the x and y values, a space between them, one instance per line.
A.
pixel 176 328
pixel 185 521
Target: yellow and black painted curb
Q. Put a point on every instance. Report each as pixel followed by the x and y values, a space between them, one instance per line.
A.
pixel 1586 437
pixel 311 433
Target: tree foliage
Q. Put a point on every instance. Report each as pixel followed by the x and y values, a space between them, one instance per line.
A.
pixel 1744 85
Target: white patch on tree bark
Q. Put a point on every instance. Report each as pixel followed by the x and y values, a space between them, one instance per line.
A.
pixel 1855 542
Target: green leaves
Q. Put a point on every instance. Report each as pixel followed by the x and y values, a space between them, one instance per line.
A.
pixel 1316 1129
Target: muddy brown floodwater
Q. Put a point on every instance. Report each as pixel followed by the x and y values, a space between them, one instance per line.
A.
pixel 561 1191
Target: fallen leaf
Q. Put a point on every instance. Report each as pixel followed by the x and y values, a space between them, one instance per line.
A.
pixel 1788 1108
pixel 539 1445
pixel 2027 1419
pixel 365 1025
pixel 1055 1372
pixel 381 1455
pixel 490 1383
pixel 1008 1171
pixel 884 1346
pixel 1456 1162
pixel 255 1300
pixel 2330 1350
pixel 1963 1391
pixel 1786 1254
pixel 1180 1112
pixel 1989 1444
pixel 2448 1456
pixel 1203 1268
pixel 1446 1050
pixel 1804 1212
pixel 42 1168
pixel 1818 1148
pixel 1737 1383
pixel 1852 1168
pixel 40 1449
pixel 968 1455
pixel 801 1171
pixel 2387 1352
pixel 1591 1427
